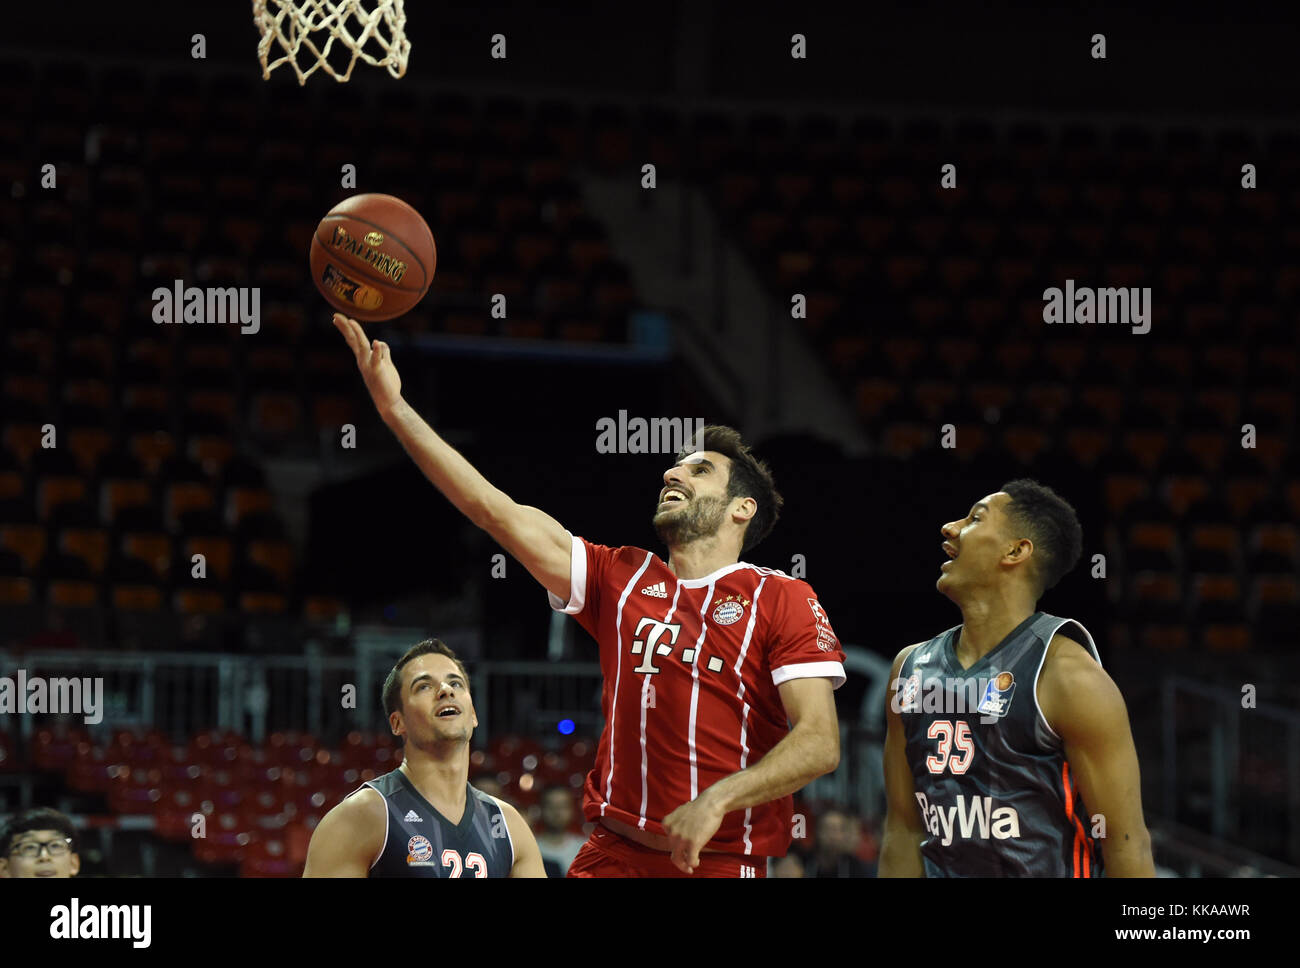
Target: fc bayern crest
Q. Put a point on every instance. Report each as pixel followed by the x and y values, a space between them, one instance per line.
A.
pixel 418 849
pixel 730 610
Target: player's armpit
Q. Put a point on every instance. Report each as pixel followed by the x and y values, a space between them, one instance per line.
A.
pixel 349 838
pixel 528 858
pixel 1082 704
pixel 900 849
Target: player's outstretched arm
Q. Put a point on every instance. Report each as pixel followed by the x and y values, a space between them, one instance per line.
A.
pixel 532 537
pixel 349 838
pixel 528 858
pixel 900 849
pixel 809 750
pixel 1084 706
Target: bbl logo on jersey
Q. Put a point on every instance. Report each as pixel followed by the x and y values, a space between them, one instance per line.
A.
pixel 418 849
pixel 730 610
pixel 997 695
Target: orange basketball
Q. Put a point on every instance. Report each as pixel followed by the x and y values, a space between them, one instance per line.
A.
pixel 372 257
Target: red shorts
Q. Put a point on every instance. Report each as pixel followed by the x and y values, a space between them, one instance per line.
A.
pixel 606 854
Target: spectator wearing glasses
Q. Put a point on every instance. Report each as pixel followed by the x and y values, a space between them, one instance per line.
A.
pixel 39 843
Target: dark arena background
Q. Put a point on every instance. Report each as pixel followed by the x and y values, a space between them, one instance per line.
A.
pixel 843 248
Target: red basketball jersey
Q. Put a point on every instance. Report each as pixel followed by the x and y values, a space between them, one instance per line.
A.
pixel 691 673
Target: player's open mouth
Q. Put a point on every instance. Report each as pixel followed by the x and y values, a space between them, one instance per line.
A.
pixel 671 496
pixel 447 711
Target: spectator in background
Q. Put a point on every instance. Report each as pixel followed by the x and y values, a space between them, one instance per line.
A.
pixel 838 835
pixel 40 843
pixel 558 844
pixel 791 865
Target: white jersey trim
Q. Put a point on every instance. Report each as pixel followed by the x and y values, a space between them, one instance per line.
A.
pixel 506 820
pixel 577 579
pixel 1046 644
pixel 618 675
pixel 834 671
pixel 383 846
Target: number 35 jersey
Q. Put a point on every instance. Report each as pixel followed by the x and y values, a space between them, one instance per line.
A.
pixel 992 782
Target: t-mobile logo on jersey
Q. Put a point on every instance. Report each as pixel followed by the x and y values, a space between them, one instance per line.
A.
pixel 969 813
pixel 647 647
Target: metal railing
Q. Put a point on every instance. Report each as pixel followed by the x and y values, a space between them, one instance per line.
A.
pixel 1231 767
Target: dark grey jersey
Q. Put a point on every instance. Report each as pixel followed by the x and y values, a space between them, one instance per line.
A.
pixel 992 782
pixel 421 842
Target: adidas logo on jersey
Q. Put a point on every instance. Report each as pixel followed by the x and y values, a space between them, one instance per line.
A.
pixel 413 817
pixel 657 590
pixel 976 819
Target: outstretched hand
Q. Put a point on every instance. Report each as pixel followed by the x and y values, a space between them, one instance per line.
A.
pixel 375 363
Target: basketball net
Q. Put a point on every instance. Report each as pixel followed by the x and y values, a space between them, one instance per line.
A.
pixel 312 27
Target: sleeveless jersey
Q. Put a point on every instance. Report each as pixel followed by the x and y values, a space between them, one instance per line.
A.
pixel 991 779
pixel 421 842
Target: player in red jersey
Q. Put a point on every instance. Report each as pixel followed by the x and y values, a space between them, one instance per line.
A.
pixel 718 674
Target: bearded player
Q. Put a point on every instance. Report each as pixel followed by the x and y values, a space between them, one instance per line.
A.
pixel 1008 750
pixel 718 674
pixel 425 819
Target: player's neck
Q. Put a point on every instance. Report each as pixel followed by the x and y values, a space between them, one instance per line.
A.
pixel 440 779
pixel 699 558
pixel 986 622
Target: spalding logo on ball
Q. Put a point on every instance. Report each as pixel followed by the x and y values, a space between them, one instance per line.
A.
pixel 373 257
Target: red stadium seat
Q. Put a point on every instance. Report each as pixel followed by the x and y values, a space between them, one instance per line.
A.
pixel 225 842
pixel 269 858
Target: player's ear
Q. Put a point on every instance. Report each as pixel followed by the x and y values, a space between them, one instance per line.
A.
pixel 75 866
pixel 395 723
pixel 745 508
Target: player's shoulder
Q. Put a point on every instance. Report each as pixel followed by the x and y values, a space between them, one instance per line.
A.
pixel 365 808
pixel 1070 671
pixel 1065 653
pixel 903 653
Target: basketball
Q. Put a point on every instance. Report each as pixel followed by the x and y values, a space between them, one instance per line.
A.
pixel 372 257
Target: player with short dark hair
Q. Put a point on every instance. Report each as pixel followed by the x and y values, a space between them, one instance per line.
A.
pixel 1001 729
pixel 718 674
pixel 424 819
pixel 40 842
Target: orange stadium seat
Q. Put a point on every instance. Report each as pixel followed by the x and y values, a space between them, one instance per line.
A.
pixel 118 493
pixel 51 491
pixel 243 501
pixel 69 593
pixel 218 554
pixel 190 601
pixel 23 440
pixel 153 548
pixel 87 445
pixel 151 449
pixel 263 603
pixel 12 484
pixel 28 541
pixel 16 591
pixel 187 496
pixel 89 544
